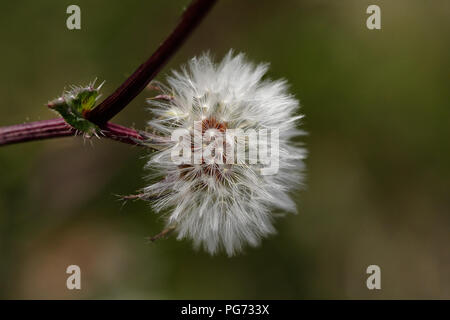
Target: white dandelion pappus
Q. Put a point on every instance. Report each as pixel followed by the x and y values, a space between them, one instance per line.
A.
pixel 224 205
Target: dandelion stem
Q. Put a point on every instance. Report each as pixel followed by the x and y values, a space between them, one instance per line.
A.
pixel 119 99
pixel 54 128
pixel 149 69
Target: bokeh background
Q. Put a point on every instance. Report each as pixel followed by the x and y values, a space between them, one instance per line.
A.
pixel 377 112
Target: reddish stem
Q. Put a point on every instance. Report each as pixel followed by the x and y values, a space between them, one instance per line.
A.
pixel 54 128
pixel 118 100
pixel 112 105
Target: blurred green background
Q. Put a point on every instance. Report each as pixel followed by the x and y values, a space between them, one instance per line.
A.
pixel 377 112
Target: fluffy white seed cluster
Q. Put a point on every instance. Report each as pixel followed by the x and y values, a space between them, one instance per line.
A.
pixel 224 206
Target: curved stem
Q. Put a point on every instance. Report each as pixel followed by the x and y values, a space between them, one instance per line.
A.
pixel 112 105
pixel 119 99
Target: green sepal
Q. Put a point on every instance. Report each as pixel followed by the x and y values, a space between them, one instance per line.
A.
pixel 74 105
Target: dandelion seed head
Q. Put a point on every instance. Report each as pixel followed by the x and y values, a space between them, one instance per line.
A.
pixel 221 205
